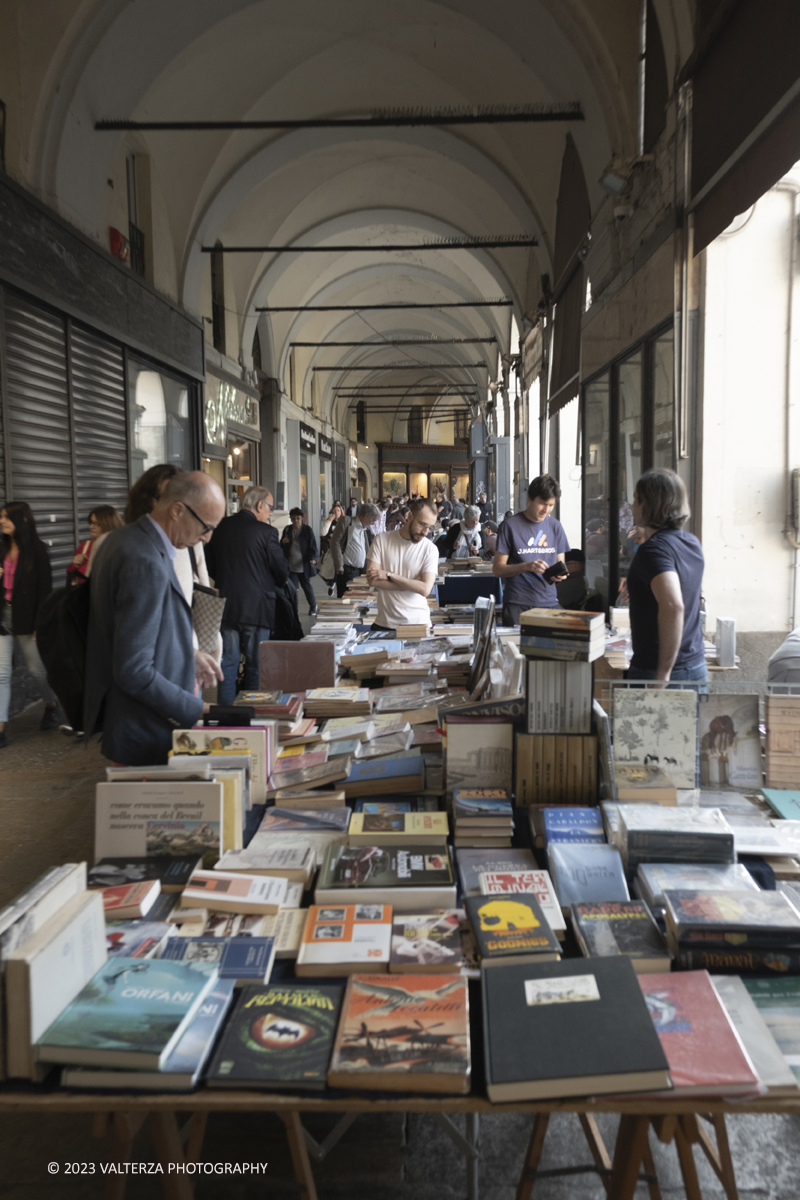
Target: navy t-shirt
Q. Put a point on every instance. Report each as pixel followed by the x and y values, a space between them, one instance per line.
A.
pixel 524 541
pixel 668 550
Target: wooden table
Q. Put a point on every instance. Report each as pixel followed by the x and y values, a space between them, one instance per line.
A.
pixel 123 1116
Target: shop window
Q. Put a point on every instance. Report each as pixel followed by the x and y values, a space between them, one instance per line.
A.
pixel 158 408
pixel 239 460
pixel 629 455
pixel 418 482
pixel 459 482
pixel 663 401
pixel 393 483
pixel 439 482
pixel 596 482
pixel 304 485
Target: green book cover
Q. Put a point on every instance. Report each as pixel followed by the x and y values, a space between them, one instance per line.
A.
pixel 784 804
pixel 778 1001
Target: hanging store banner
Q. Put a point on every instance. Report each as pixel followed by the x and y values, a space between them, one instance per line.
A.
pixel 532 355
pixel 308 438
pixel 324 447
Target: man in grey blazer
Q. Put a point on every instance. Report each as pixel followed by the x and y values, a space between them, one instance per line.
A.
pixel 141 666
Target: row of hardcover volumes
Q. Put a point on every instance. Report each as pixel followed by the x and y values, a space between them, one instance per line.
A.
pixel 556 769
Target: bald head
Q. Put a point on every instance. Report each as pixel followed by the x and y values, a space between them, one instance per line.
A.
pixel 190 508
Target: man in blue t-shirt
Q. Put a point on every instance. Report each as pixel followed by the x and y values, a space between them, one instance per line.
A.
pixel 527 544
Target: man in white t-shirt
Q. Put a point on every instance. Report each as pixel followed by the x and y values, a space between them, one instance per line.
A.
pixel 402 567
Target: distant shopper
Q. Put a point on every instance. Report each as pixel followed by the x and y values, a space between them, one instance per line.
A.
pixel 353 507
pixel 325 532
pixel 572 592
pixel 464 537
pixel 402 567
pixel 664 582
pixel 482 505
pixel 349 545
pixel 102 520
pixel 26 582
pixel 397 517
pixel 444 507
pixel 489 539
pixel 300 547
pixel 247 565
pixel 527 544
pixel 458 510
pixel 147 489
pixel 379 524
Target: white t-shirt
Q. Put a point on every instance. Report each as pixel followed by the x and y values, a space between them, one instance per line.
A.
pixel 400 556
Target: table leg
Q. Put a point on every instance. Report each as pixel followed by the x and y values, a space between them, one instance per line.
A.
pixel 533 1156
pixel 629 1152
pixel 197 1130
pixel 299 1152
pixel 683 1144
pixel 124 1127
pixel 719 1156
pixel 164 1127
pixel 650 1168
pixel 596 1145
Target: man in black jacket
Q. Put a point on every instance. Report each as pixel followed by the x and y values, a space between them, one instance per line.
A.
pixel 300 547
pixel 245 560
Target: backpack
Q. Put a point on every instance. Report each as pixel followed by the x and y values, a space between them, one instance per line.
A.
pixel 62 625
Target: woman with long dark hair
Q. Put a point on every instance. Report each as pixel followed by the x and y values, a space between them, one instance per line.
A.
pixel 102 520
pixel 26 582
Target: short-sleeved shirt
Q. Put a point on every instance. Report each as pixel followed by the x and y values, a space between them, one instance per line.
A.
pixel 667 550
pixel 400 556
pixel 525 541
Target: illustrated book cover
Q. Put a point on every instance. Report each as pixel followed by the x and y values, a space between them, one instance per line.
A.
pixel 658 727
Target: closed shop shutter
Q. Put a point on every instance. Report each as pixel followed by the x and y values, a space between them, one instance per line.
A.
pixel 38 423
pixel 101 440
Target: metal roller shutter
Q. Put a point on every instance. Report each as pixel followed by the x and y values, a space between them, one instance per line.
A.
pixel 37 403
pixel 101 438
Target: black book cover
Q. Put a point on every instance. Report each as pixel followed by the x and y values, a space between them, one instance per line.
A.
pixel 280 1035
pixel 618 927
pixel 510 924
pixel 732 960
pixel 576 1027
pixel 173 873
pixel 741 918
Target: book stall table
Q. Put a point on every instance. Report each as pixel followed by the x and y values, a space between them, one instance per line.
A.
pixel 457 588
pixel 121 1117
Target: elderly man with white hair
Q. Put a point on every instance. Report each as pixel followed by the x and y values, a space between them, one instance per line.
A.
pixel 464 537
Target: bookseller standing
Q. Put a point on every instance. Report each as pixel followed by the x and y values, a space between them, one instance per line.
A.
pixel 527 545
pixel 402 567
pixel 664 583
pixel 141 666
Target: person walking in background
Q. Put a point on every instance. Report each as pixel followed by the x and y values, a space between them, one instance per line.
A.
pixel 458 510
pixel 349 545
pixel 397 517
pixel 528 543
pixel 102 520
pixel 328 524
pixel 379 525
pixel 664 582
pixel 300 547
pixel 247 564
pixel 26 582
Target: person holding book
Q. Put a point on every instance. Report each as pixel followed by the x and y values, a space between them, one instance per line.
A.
pixel 300 547
pixel 26 582
pixel 350 543
pixel 402 567
pixel 664 582
pixel 529 544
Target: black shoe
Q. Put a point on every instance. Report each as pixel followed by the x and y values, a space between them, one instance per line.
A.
pixel 330 590
pixel 49 718
pixel 313 612
pixel 3 739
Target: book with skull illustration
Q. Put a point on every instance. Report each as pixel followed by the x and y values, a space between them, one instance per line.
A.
pixel 657 727
pixel 511 928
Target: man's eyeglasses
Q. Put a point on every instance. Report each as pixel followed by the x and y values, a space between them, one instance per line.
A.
pixel 206 528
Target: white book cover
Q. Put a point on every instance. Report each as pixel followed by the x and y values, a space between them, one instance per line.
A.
pixel 730 742
pixel 762 1049
pixel 657 726
pixel 318 843
pixel 499 883
pixel 273 859
pixel 479 754
pixel 347 933
pixel 137 819
pixel 256 740
pixel 234 891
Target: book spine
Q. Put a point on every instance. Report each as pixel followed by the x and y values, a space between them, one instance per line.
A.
pixel 536 769
pixel 589 793
pixel 548 768
pixel 753 961
pixel 524 776
pixel 561 768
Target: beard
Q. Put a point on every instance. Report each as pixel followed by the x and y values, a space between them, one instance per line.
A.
pixel 415 535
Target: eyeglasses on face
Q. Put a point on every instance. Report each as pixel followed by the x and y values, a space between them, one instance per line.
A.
pixel 206 528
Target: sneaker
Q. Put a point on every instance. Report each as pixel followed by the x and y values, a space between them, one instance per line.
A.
pixel 330 590
pixel 49 718
pixel 313 612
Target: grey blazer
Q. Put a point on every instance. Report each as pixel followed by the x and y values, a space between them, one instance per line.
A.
pixel 140 670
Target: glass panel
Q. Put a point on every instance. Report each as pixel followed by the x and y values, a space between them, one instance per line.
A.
pixel 419 483
pixel 663 401
pixel 597 483
pixel 459 481
pixel 394 483
pixel 158 408
pixel 630 450
pixel 304 485
pixel 439 480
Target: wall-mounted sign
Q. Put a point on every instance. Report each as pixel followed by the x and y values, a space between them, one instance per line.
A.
pixel 353 458
pixel 308 438
pixel 532 355
pixel 223 403
pixel 324 446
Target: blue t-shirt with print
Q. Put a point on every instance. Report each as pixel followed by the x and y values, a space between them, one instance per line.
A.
pixel 524 541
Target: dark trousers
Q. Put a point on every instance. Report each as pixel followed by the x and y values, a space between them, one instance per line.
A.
pixel 347 574
pixel 238 640
pixel 308 591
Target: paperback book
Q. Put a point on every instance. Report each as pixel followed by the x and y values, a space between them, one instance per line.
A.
pixel 425 943
pixel 242 959
pixel 341 939
pixel 584 873
pixel 762 1049
pixel 408 877
pixel 623 927
pixel 503 883
pixel 511 928
pixel 388 829
pixel 310 820
pixel 172 873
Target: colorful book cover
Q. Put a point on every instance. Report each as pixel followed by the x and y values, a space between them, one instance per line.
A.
pixel 288 761
pixel 374 867
pixel 309 819
pixel 136 939
pixel 237 958
pixel 399 825
pixel 159 819
pixel 656 878
pixel 134 896
pixel 658 727
pixel 279 1036
pixel 619 927
pixel 473 862
pixel 383 769
pixel 255 740
pixel 427 941
pixel 743 918
pixel 383 806
pixel 511 925
pixel 346 933
pixel 570 824
pixel 730 741
pixel 481 802
pixel 504 883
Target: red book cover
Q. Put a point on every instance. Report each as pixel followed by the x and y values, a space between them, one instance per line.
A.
pixel 703 1050
pixel 130 899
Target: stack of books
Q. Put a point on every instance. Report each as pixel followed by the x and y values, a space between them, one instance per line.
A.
pixel 337 702
pixel 653 879
pixel 562 634
pixel 412 632
pixel 286 707
pixel 650 833
pixel 739 933
pixel 555 769
pixel 783 741
pixel 483 817
pixel 646 783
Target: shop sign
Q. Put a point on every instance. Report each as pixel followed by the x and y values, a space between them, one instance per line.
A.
pixel 353 459
pixel 532 355
pixel 308 438
pixel 324 446
pixel 224 403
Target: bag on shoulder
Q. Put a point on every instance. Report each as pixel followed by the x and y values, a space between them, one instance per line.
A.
pixel 62 626
pixel 207 609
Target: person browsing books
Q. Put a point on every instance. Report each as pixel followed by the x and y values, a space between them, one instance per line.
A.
pixel 349 545
pixel 664 582
pixel 527 544
pixel 464 537
pixel 402 567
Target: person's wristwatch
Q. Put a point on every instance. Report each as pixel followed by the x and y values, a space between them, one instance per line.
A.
pixel 388 577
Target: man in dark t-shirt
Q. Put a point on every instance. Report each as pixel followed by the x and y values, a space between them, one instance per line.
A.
pixel 527 544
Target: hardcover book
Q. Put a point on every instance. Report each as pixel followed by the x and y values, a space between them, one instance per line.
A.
pixel 761 1047
pixel 308 819
pixel 172 873
pixel 501 883
pixel 278 1037
pixel 730 741
pixel 242 959
pixel 480 805
pixel 647 783
pixel 621 928
pixel 136 939
pixel 387 829
pixel 408 877
pixel 409 1033
pixel 131 1014
pixel 576 825
pixel 652 833
pixel 340 939
pixel 778 1002
pixel 653 879
pixel 406 774
pixel 579 1027
pixel 471 863
pixel 739 919
pixel 427 942
pixel 130 900
pixel 479 752
pixel 586 873
pixel 511 928
pixel 659 727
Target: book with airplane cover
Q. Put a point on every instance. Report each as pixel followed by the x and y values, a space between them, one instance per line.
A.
pixel 403 1033
pixel 387 829
pixel 235 892
pixel 132 1013
pixel 127 901
pixel 428 942
pixel 242 959
pixel 342 938
pixel 741 920
pixel 172 873
pixel 377 777
pixel 623 927
pixel 702 1047
pixel 653 879
pixel 279 1036
pixel 769 1064
pixel 511 928
pixel 503 883
pixel 408 877
pixel 182 1070
pixel 308 819
pixel 472 862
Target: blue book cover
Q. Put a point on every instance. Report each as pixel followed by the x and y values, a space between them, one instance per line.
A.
pixel 243 959
pixel 570 824
pixel 383 806
pixel 394 647
pixel 382 768
pixel 784 804
pixel 132 1013
pixel 194 1047
pixel 481 802
pixel 583 873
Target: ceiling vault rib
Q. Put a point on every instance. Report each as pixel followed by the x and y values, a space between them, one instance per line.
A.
pixel 478 243
pixel 286 308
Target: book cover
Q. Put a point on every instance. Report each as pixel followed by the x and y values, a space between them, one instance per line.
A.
pixel 242 959
pixel 760 1045
pixel 512 926
pixel 503 883
pixel 472 862
pixel 254 740
pixel 172 873
pixel 747 961
pixel 279 1036
pixel 177 819
pixel 568 824
pixel 136 939
pixel 579 1027
pixel 730 742
pixel 479 753
pixel 407 1034
pixel 289 760
pixel 382 806
pixel 382 829
pixel 481 802
pixel 309 819
pixel 583 873
pixel 234 891
pixel 739 918
pixel 656 878
pixel 621 928
pixel 291 862
pixel 785 804
pixel 778 1002
pixel 350 936
pixel 130 900
pixel 406 774
pixel 427 942
pixel 398 867
pixel 704 1053
pixel 659 727
pixel 131 1013
pixel 647 783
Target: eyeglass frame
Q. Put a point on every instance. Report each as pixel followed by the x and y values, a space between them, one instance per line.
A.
pixel 206 528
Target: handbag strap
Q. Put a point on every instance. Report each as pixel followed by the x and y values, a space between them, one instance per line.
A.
pixel 193 560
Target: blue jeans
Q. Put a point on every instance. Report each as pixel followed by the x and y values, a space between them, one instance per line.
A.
pixel 238 640
pixel 33 662
pixel 696 673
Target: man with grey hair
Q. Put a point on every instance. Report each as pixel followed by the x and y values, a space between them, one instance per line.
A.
pixel 464 537
pixel 143 674
pixel 245 560
pixel 349 545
